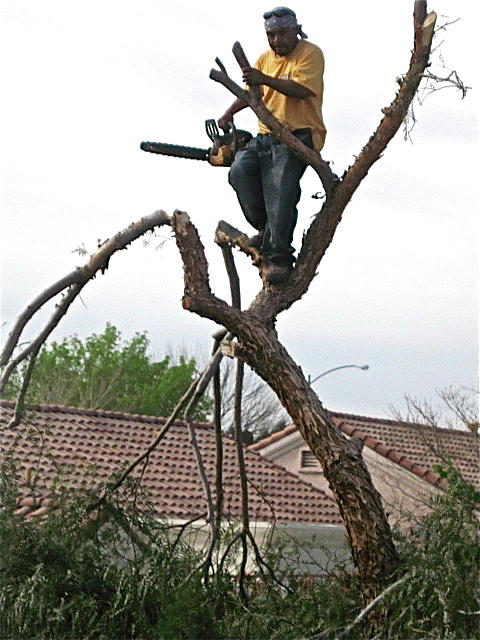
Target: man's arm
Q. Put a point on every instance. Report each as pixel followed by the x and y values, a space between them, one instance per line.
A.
pixel 227 117
pixel 254 77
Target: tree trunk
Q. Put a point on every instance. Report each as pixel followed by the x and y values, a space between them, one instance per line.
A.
pixel 359 502
pixel 257 343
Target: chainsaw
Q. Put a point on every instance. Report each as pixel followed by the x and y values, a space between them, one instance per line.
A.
pixel 220 154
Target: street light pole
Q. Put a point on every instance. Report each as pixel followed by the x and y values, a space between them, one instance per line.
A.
pixel 363 367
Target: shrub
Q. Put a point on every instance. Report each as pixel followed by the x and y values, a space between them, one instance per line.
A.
pixel 439 597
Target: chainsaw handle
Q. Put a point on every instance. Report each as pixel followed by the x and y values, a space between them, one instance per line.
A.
pixel 212 129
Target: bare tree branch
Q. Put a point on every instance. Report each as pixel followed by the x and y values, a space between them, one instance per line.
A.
pixel 34 346
pixel 217 425
pixel 155 442
pixel 98 262
pixel 75 281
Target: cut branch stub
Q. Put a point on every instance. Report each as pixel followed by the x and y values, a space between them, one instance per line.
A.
pixel 225 234
pixel 240 56
pixel 243 63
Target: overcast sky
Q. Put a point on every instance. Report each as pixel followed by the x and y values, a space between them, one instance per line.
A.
pixel 87 81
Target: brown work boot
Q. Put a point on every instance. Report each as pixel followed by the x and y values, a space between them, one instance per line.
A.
pixel 256 241
pixel 277 273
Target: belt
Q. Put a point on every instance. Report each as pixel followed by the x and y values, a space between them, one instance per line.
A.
pixel 296 132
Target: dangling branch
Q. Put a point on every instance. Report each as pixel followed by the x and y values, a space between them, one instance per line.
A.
pixel 201 467
pixel 195 391
pixel 20 402
pixel 237 421
pixel 35 345
pixel 217 425
pixel 108 491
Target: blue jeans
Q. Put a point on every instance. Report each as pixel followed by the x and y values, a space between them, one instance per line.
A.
pixel 266 177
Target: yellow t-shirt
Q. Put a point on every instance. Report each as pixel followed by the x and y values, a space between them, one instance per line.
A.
pixel 305 65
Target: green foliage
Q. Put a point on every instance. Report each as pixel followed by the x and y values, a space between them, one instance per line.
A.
pixel 104 372
pixel 70 576
pixel 440 598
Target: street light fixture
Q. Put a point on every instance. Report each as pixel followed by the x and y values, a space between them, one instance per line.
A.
pixel 363 367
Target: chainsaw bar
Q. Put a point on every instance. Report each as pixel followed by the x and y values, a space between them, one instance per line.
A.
pixel 176 150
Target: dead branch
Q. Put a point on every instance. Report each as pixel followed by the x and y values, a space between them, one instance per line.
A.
pixel 226 235
pixel 227 550
pixel 20 402
pixel 200 466
pixel 450 81
pixel 34 346
pixel 98 262
pixel 264 565
pixel 182 528
pixel 236 302
pixel 198 296
pixel 217 425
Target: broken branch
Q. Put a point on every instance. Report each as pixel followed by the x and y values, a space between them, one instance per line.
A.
pixel 80 276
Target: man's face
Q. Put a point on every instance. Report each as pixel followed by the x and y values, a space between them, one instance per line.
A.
pixel 283 41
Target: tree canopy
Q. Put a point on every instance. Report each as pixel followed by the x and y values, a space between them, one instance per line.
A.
pixel 102 371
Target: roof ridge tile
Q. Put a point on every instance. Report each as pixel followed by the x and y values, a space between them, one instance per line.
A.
pixel 101 413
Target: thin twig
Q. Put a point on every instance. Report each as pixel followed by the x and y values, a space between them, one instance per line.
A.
pixel 261 563
pixel 237 421
pixel 243 475
pixel 182 529
pixel 370 606
pixel 146 452
pixel 227 550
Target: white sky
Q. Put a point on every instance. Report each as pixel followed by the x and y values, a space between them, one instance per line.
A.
pixel 86 82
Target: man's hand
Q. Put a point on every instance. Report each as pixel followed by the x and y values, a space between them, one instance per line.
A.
pixel 253 77
pixel 227 118
pixel 225 121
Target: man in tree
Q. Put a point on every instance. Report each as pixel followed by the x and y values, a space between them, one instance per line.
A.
pixel 266 174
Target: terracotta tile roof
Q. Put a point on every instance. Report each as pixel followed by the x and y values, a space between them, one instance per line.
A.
pixel 414 447
pixel 73 440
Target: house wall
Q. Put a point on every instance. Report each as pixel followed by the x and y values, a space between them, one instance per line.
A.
pixel 307 550
pixel 404 495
